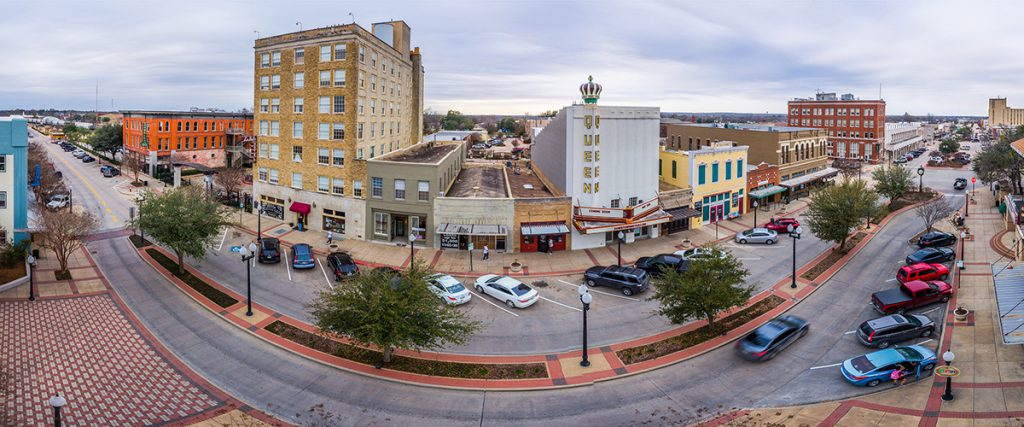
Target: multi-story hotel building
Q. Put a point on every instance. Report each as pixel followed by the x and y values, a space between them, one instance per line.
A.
pixel 901 138
pixel 205 138
pixel 856 128
pixel 327 100
pixel 1001 115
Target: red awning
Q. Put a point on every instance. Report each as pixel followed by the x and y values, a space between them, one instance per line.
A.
pixel 300 208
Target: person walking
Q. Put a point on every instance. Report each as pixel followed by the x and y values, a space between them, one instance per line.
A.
pixel 330 237
pixel 487 253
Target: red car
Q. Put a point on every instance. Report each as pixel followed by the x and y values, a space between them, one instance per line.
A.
pixel 922 271
pixel 781 225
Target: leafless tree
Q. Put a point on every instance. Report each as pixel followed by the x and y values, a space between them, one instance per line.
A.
pixel 63 231
pixel 230 179
pixel 134 164
pixel 49 182
pixel 934 210
pixel 849 168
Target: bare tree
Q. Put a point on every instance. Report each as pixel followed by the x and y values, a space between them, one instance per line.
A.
pixel 134 164
pixel 230 179
pixel 934 210
pixel 849 168
pixel 49 182
pixel 63 231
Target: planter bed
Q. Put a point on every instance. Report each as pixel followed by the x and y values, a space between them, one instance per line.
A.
pixel 408 364
pixel 833 257
pixel 213 294
pixel 138 241
pixel 697 336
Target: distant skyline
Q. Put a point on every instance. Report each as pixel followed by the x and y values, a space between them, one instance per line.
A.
pixel 514 57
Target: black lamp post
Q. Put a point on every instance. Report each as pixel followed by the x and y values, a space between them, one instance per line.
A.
pixel 621 236
pixel 755 213
pixel 586 298
pixel 948 357
pixel 142 201
pixel 920 179
pixel 259 221
pixel 795 234
pixel 248 276
pixel 412 249
pixel 967 202
pixel 57 402
pixel 31 280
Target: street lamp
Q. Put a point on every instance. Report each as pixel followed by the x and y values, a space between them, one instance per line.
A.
pixel 259 221
pixel 948 357
pixel 621 236
pixel 920 179
pixel 412 249
pixel 795 234
pixel 755 213
pixel 248 276
pixel 586 298
pixel 967 202
pixel 57 402
pixel 31 282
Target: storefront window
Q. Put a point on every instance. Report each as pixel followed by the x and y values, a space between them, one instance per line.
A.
pixel 334 221
pixel 380 223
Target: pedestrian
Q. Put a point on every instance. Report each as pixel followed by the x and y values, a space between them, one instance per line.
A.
pixel 330 237
pixel 487 253
pixel 897 375
pixel 551 246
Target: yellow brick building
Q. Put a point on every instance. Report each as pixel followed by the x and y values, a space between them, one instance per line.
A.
pixel 326 100
pixel 715 174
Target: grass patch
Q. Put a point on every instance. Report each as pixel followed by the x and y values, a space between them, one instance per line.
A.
pixel 62 274
pixel 138 241
pixel 833 257
pixel 408 364
pixel 14 272
pixel 697 336
pixel 208 291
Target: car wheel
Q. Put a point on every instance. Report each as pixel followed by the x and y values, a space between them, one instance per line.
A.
pixel 769 242
pixel 627 291
pixel 926 333
pixel 510 304
pixel 944 298
pixel 928 367
pixel 873 383
pixel 591 283
pixel 480 289
pixel 944 277
pixel 743 241
pixel 883 344
pixel 770 356
pixel 802 333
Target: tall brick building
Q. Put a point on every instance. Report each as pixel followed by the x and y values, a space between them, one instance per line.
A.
pixel 212 139
pixel 856 128
pixel 327 100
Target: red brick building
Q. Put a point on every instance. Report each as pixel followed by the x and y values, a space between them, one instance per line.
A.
pixel 212 139
pixel 856 128
pixel 763 185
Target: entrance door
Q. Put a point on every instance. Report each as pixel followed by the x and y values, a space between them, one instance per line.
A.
pixel 398 227
pixel 542 243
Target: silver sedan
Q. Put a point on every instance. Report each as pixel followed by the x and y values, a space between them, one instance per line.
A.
pixel 757 235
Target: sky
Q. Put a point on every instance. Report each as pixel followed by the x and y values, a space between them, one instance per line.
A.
pixel 528 56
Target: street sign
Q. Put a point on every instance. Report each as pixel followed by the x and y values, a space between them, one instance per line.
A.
pixel 973 180
pixel 469 246
pixel 947 371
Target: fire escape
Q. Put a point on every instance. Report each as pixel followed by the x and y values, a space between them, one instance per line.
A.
pixel 240 147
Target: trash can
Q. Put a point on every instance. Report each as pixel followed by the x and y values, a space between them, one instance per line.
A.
pixel 145 183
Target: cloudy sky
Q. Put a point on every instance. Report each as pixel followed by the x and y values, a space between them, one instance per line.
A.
pixel 518 56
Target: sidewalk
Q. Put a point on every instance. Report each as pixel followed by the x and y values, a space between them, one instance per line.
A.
pixel 457 263
pixel 990 388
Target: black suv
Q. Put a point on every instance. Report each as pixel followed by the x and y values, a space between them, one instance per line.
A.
pixel 931 255
pixel 655 265
pixel 342 265
pixel 960 184
pixel 936 239
pixel 884 331
pixel 270 250
pixel 628 280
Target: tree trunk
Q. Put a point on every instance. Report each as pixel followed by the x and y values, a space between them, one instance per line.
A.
pixel 181 262
pixel 842 245
pixel 386 354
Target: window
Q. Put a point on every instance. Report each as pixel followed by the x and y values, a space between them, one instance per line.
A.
pixel 298 105
pixel 323 184
pixel 701 174
pixel 264 105
pixel 297 130
pixel 714 172
pixel 296 153
pixel 360 106
pixel 339 78
pixel 399 189
pixel 339 104
pixel 297 180
pixel 362 79
pixel 325 78
pixel 263 174
pixel 275 128
pixel 264 84
pixel 179 126
pixel 300 80
pixel 380 223
pixel 633 201
pixel 300 55
pixel 339 52
pixel 338 186
pixel 323 131
pixel 373 59
pixel 323 156
pixel 275 107
pixel 265 60
pixel 357 188
pixel 339 131
pixel 325 53
pixel 275 81
pixel 264 127
pixel 423 187
pixel 263 149
pixel 673 169
pixel 377 187
pixel 325 105
pixel 373 82
pixel 338 158
pixel 739 168
pixel 616 202
pixel 728 170
pixel 359 153
pixel 275 59
pixel 359 130
pixel 274 151
pixel 272 178
pixel 362 54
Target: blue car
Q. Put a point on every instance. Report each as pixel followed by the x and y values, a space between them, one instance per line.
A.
pixel 875 368
pixel 302 257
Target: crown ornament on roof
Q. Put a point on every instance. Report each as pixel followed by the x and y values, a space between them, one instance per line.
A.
pixel 591 91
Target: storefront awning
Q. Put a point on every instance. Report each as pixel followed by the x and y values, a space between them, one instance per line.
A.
pixel 1009 284
pixel 813 176
pixel 767 191
pixel 544 229
pixel 593 227
pixel 472 229
pixel 682 213
pixel 300 208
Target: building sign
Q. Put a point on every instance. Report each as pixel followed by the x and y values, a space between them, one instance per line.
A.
pixel 601 213
pixel 450 241
pixel 591 154
pixel 272 207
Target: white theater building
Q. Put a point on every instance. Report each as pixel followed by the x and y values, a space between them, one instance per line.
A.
pixel 606 159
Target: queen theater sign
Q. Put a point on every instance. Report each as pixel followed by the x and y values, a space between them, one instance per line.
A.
pixel 591 153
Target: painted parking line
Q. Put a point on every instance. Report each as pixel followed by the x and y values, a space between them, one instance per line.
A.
pixel 925 341
pixel 891 280
pixel 563 305
pixel 849 332
pixel 932 310
pixel 325 273
pixel 287 267
pixel 749 259
pixel 481 298
pixel 600 292
pixel 826 366
pixel 222 237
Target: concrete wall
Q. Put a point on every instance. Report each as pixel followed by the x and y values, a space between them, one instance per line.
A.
pixel 475 211
pixel 353 208
pixel 548 151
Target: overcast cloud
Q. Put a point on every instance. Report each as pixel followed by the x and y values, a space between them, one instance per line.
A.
pixel 513 57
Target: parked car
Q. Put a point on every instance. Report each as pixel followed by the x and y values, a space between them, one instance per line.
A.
pixel 960 184
pixel 936 239
pixel 78 153
pixel 916 154
pixel 899 160
pixel 109 171
pixel 757 235
pixel 931 255
pixel 88 159
pixel 656 265
pixel 967 147
pixel 302 257
pixel 67 147
pixel 513 293
pixel 911 295
pixel 771 338
pixel 936 159
pixel 449 290
pixel 700 252
pixel 781 225
pixel 922 271
pixel 270 250
pixel 480 146
pixel 875 368
pixel 887 330
pixel 627 280
pixel 342 265
pixel 58 201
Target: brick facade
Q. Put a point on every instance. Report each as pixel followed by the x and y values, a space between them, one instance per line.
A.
pixel 856 128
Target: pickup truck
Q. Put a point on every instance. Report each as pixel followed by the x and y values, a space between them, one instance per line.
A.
pixel 911 295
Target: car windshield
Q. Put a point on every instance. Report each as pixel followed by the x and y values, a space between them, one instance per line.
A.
pixel 455 288
pixel 913 320
pixel 268 245
pixel 302 251
pixel 521 290
pixel 862 364
pixel 909 353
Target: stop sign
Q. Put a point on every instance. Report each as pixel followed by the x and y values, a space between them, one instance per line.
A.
pixel 973 180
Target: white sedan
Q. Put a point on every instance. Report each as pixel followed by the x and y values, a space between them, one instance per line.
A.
pixel 513 293
pixel 700 252
pixel 448 289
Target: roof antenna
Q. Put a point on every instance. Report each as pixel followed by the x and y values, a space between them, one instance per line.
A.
pixel 257 33
pixel 299 23
pixel 350 15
